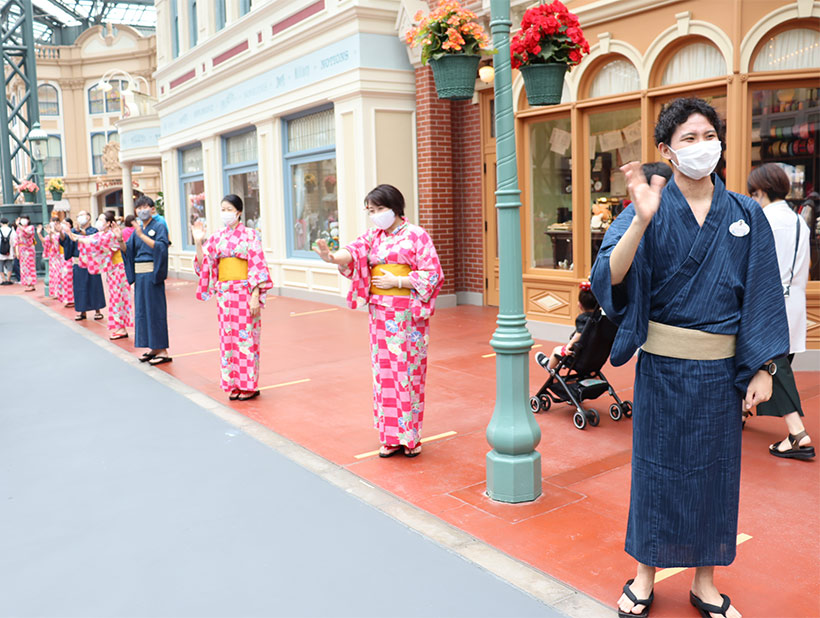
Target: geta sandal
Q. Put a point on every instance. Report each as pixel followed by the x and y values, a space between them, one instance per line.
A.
pixel 247 396
pixel 706 609
pixel 647 603
pixel 146 357
pixel 388 451
pixel 234 395
pixel 115 337
pixel 412 452
pixel 159 360
pixel 796 451
pixel 98 316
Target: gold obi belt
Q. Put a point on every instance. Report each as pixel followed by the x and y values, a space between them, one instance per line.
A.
pixel 400 270
pixel 143 267
pixel 687 343
pixel 233 269
pixel 116 257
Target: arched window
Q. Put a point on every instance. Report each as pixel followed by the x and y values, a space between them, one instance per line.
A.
pixel 96 100
pixel 694 62
pixel 615 77
pixel 798 48
pixel 48 100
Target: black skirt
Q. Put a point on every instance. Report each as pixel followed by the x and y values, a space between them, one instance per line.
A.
pixel 785 398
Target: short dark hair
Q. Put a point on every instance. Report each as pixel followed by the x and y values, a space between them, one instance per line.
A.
pixel 109 216
pixel 657 168
pixel 70 221
pixel 128 220
pixel 771 179
pixel 676 112
pixel 4 221
pixel 144 200
pixel 387 196
pixel 587 300
pixel 233 200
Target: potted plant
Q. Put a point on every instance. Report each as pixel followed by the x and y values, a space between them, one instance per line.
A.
pixel 330 183
pixel 549 42
pixel 56 187
pixel 28 189
pixel 310 182
pixel 452 42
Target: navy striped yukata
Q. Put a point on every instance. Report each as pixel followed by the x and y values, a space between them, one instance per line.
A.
pixel 687 413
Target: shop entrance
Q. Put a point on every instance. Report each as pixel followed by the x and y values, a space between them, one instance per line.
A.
pixel 490 233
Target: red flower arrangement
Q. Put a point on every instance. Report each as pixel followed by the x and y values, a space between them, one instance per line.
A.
pixel 549 34
pixel 27 186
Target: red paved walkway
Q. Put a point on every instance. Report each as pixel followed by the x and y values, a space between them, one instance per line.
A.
pixel 316 375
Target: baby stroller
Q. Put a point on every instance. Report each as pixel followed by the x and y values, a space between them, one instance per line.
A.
pixel 578 376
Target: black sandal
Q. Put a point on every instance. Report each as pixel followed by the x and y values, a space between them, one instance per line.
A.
pixel 246 397
pixel 146 357
pixel 234 395
pixel 707 609
pixel 98 316
pixel 386 450
pixel 412 452
pixel 647 603
pixel 796 451
pixel 79 317
pixel 159 360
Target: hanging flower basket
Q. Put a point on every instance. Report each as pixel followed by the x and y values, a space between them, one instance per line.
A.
pixel 549 43
pixel 29 197
pixel 455 76
pixel 56 195
pixel 452 41
pixel 544 82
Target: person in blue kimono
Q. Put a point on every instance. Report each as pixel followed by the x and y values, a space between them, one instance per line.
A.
pixel 145 256
pixel 688 272
pixel 88 288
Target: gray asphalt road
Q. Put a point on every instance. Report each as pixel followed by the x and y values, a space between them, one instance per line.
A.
pixel 120 497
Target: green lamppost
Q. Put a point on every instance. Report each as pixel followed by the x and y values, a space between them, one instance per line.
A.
pixel 39 153
pixel 513 465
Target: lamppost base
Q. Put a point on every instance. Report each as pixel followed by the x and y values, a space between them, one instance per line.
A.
pixel 513 478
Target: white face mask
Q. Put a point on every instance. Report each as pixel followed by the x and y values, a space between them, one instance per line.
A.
pixel 24 222
pixel 698 160
pixel 83 219
pixel 383 219
pixel 228 217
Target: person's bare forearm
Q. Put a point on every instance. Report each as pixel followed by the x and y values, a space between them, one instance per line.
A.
pixel 620 260
pixel 342 257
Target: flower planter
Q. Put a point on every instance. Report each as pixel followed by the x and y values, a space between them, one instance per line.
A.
pixel 544 83
pixel 30 197
pixel 56 195
pixel 455 76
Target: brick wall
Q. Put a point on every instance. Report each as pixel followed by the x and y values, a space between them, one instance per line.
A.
pixel 450 176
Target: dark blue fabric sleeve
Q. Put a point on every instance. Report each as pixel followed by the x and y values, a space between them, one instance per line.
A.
pixel 128 259
pixel 763 333
pixel 626 304
pixel 160 254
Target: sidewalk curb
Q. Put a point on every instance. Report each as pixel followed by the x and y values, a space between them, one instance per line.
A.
pixel 522 576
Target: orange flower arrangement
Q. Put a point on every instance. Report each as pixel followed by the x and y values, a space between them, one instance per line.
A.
pixel 448 29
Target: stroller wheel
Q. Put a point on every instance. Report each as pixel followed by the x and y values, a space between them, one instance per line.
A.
pixel 535 405
pixel 594 417
pixel 546 402
pixel 626 408
pixel 615 412
pixel 579 420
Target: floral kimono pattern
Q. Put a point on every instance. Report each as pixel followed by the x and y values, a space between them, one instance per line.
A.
pixel 54 253
pixel 399 326
pixel 96 253
pixel 25 253
pixel 66 279
pixel 239 331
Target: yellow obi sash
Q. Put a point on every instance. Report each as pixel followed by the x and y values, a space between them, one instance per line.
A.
pixel 233 269
pixel 400 270
pixel 116 257
pixel 687 343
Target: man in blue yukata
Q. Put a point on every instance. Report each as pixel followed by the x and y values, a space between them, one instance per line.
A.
pixel 145 257
pixel 689 273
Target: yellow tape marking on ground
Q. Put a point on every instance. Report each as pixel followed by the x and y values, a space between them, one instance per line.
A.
pixel 293 315
pixel 438 436
pixel 667 573
pixel 264 388
pixel 195 353
pixel 537 345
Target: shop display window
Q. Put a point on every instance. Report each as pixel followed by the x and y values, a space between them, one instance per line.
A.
pixel 310 171
pixel 615 77
pixel 551 193
pixel 786 130
pixel 242 175
pixel 693 62
pixel 614 140
pixel 192 191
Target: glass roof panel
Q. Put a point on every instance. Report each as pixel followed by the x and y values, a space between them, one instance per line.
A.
pixel 138 13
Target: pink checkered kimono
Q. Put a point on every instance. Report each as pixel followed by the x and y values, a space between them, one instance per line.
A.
pixel 399 326
pixel 66 279
pixel 26 253
pixel 239 332
pixel 53 252
pixel 97 253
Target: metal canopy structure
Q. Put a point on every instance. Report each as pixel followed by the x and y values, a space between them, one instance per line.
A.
pixel 59 22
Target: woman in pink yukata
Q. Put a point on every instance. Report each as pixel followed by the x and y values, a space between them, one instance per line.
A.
pixel 25 253
pixel 394 268
pixel 231 264
pixel 53 252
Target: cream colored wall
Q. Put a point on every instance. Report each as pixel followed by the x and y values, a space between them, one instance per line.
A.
pixel 78 67
pixel 395 154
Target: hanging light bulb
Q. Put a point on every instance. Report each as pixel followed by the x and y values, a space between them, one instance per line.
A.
pixel 486 74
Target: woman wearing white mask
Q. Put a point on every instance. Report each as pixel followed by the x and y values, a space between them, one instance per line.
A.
pixel 88 292
pixel 25 253
pixel 394 268
pixel 231 265
pixel 686 271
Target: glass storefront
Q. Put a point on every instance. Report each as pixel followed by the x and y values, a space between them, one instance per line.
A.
pixel 242 175
pixel 192 191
